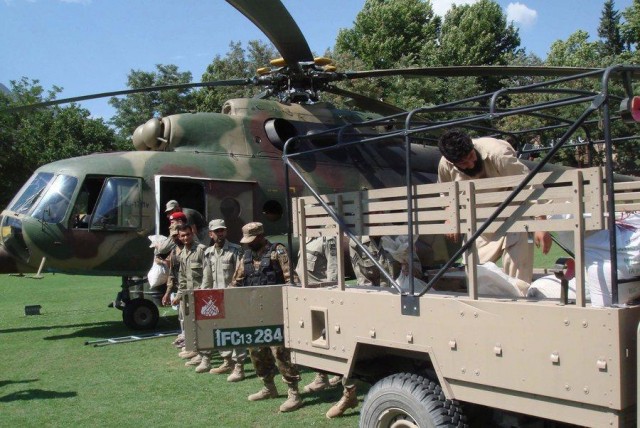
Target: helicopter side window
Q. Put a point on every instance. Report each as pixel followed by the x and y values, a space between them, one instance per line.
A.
pixel 86 202
pixel 30 192
pixel 53 205
pixel 119 204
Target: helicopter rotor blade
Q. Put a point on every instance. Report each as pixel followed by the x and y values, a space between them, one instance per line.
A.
pixel 473 70
pixel 366 103
pixel 275 21
pixel 234 82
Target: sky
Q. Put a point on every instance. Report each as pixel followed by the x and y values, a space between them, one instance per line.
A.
pixel 90 46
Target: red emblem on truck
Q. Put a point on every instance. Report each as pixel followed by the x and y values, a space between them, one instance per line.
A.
pixel 209 304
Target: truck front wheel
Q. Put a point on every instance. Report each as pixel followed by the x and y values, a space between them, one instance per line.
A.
pixel 409 400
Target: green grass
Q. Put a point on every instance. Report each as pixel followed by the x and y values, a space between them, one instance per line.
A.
pixel 49 377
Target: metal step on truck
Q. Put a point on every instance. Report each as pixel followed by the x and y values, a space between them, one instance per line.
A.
pixel 452 352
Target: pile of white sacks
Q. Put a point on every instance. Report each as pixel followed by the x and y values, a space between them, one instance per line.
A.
pixel 598 264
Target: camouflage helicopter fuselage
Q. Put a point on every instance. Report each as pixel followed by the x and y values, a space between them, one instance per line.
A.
pixel 237 158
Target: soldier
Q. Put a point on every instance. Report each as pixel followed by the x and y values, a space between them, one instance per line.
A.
pixel 220 261
pixel 322 266
pixel 264 263
pixel 172 246
pixel 366 272
pixel 190 277
pixel 322 260
pixel 192 217
pixel 464 159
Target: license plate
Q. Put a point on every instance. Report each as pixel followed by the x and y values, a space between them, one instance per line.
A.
pixel 249 336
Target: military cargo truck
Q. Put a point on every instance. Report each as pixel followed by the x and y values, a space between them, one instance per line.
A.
pixel 441 356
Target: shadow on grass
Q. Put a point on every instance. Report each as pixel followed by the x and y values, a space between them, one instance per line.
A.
pixel 111 329
pixel 54 327
pixel 35 394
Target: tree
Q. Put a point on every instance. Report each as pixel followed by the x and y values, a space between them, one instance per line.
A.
pixel 32 138
pixel 477 34
pixel 631 26
pixel 609 29
pixel 135 109
pixel 237 63
pixel 387 30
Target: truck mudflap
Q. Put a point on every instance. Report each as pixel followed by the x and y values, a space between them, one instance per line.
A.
pixel 229 318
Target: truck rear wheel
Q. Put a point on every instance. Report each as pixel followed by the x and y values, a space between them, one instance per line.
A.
pixel 409 400
pixel 140 314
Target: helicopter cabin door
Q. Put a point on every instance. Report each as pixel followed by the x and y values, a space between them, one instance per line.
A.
pixel 233 201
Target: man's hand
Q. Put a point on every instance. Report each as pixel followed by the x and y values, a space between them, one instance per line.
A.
pixel 175 301
pixel 166 299
pixel 542 241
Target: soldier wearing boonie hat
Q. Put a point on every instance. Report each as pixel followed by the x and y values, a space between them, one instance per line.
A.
pixel 220 261
pixel 264 263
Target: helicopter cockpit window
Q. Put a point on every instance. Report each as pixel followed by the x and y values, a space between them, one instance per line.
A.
pixel 119 204
pixel 86 202
pixel 30 192
pixel 53 205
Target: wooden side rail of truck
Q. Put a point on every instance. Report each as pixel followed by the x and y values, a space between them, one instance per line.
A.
pixel 442 352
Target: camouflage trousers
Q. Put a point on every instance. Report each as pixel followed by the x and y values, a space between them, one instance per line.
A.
pixel 266 360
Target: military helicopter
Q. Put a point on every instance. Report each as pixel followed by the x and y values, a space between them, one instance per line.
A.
pixel 91 215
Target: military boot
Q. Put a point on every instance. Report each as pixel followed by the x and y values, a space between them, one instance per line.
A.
pixel 187 355
pixel 225 367
pixel 293 402
pixel 205 364
pixel 195 361
pixel 238 373
pixel 335 381
pixel 320 382
pixel 268 391
pixel 349 400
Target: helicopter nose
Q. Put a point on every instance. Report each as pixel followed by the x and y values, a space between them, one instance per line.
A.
pixel 8 263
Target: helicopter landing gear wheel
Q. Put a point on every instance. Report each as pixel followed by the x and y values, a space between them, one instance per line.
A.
pixel 140 314
pixel 406 400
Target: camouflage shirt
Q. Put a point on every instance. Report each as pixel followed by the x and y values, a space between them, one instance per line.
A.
pixel 278 255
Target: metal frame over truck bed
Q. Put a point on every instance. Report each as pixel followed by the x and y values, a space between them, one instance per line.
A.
pixel 432 354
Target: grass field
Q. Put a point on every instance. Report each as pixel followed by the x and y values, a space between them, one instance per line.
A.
pixel 49 377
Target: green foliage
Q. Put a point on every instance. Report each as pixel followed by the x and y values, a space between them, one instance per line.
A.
pixel 135 109
pixel 477 34
pixel 51 378
pixel 31 138
pixel 631 27
pixel 236 64
pixel 386 31
pixel 609 29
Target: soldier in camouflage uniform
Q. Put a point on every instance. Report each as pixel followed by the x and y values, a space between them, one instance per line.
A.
pixel 220 261
pixel 322 266
pixel 366 272
pixel 264 263
pixel 322 259
pixel 191 261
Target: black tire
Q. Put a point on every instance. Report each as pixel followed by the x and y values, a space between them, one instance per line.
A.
pixel 140 314
pixel 409 400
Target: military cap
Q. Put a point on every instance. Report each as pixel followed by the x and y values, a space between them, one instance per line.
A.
pixel 250 231
pixel 217 223
pixel 171 205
